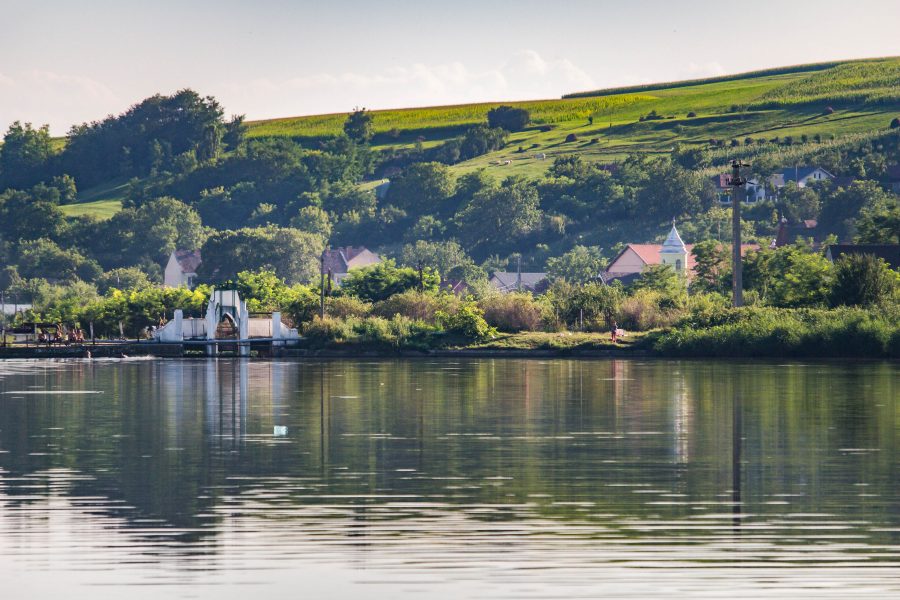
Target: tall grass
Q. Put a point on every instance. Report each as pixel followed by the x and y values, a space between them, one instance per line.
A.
pixel 758 331
pixel 871 82
pixel 441 117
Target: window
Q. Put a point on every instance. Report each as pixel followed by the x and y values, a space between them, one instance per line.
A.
pixel 678 264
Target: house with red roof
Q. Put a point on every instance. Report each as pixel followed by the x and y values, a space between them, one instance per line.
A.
pixel 634 258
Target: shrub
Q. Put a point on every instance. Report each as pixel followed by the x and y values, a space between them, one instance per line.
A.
pixel 766 331
pixel 645 310
pixel 691 115
pixel 343 307
pixel 571 138
pixel 895 123
pixel 416 305
pixel 325 331
pixel 862 280
pixel 467 322
pixel 512 312
pixel 509 118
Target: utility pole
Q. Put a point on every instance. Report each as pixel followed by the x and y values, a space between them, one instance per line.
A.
pixel 738 193
pixel 518 272
pixel 322 285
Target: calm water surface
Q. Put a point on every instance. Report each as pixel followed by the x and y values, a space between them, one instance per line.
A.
pixel 448 479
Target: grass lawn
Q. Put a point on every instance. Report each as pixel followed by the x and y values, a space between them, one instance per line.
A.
pixel 566 340
pixel 102 209
pixel 102 201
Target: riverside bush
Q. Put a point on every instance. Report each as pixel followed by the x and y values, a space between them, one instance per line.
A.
pixel 512 312
pixel 647 309
pixel 343 307
pixel 468 322
pixel 766 331
pixel 416 305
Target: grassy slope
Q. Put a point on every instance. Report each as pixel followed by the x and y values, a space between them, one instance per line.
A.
pixel 789 100
pixel 102 201
pixel 794 101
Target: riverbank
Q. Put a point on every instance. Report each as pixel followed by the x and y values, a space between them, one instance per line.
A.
pixel 745 333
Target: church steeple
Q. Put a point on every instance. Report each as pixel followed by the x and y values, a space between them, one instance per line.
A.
pixel 673 251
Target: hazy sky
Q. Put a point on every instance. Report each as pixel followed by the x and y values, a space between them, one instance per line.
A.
pixel 64 61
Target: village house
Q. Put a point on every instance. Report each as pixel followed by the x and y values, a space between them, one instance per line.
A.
pixel 802 176
pixel 789 232
pixel 181 270
pixel 506 282
pixel 339 261
pixel 756 192
pixel 634 258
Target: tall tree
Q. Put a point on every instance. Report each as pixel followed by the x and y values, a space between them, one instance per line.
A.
pixel 25 156
pixel 358 126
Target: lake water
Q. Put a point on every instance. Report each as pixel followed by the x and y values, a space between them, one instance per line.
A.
pixel 448 479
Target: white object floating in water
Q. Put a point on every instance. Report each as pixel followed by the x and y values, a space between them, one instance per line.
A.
pixel 280 430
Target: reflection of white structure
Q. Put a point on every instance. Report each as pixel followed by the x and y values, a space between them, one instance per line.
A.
pixel 682 420
pixel 227 318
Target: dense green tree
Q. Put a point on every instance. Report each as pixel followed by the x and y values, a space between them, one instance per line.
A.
pixel 579 265
pixel 358 126
pixel 661 278
pixel 25 155
pixel 712 267
pixel 507 212
pixel 879 222
pixel 43 258
pixel 380 281
pixel 790 276
pixel 509 118
pixel 22 217
pixel 422 187
pixel 144 139
pixel 122 278
pixel 291 254
pixel 841 206
pixel 313 219
pixel 442 257
pixel 863 280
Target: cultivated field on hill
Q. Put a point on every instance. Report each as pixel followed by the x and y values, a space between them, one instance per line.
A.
pixel 809 104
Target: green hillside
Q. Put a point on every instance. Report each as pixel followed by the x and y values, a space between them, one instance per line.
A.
pixel 786 102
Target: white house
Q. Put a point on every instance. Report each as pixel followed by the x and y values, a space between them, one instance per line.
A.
pixel 756 192
pixel 802 176
pixel 181 270
pixel 339 261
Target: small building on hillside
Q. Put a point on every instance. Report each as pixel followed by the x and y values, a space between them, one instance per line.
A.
pixel 890 253
pixel 457 287
pixel 339 261
pixel 756 192
pixel 789 232
pixel 181 270
pixel 505 282
pixel 802 176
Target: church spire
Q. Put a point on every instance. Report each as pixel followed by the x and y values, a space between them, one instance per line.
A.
pixel 674 243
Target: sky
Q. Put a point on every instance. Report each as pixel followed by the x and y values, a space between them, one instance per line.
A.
pixel 64 62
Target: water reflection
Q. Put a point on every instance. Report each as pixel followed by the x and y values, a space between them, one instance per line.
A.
pixel 452 478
